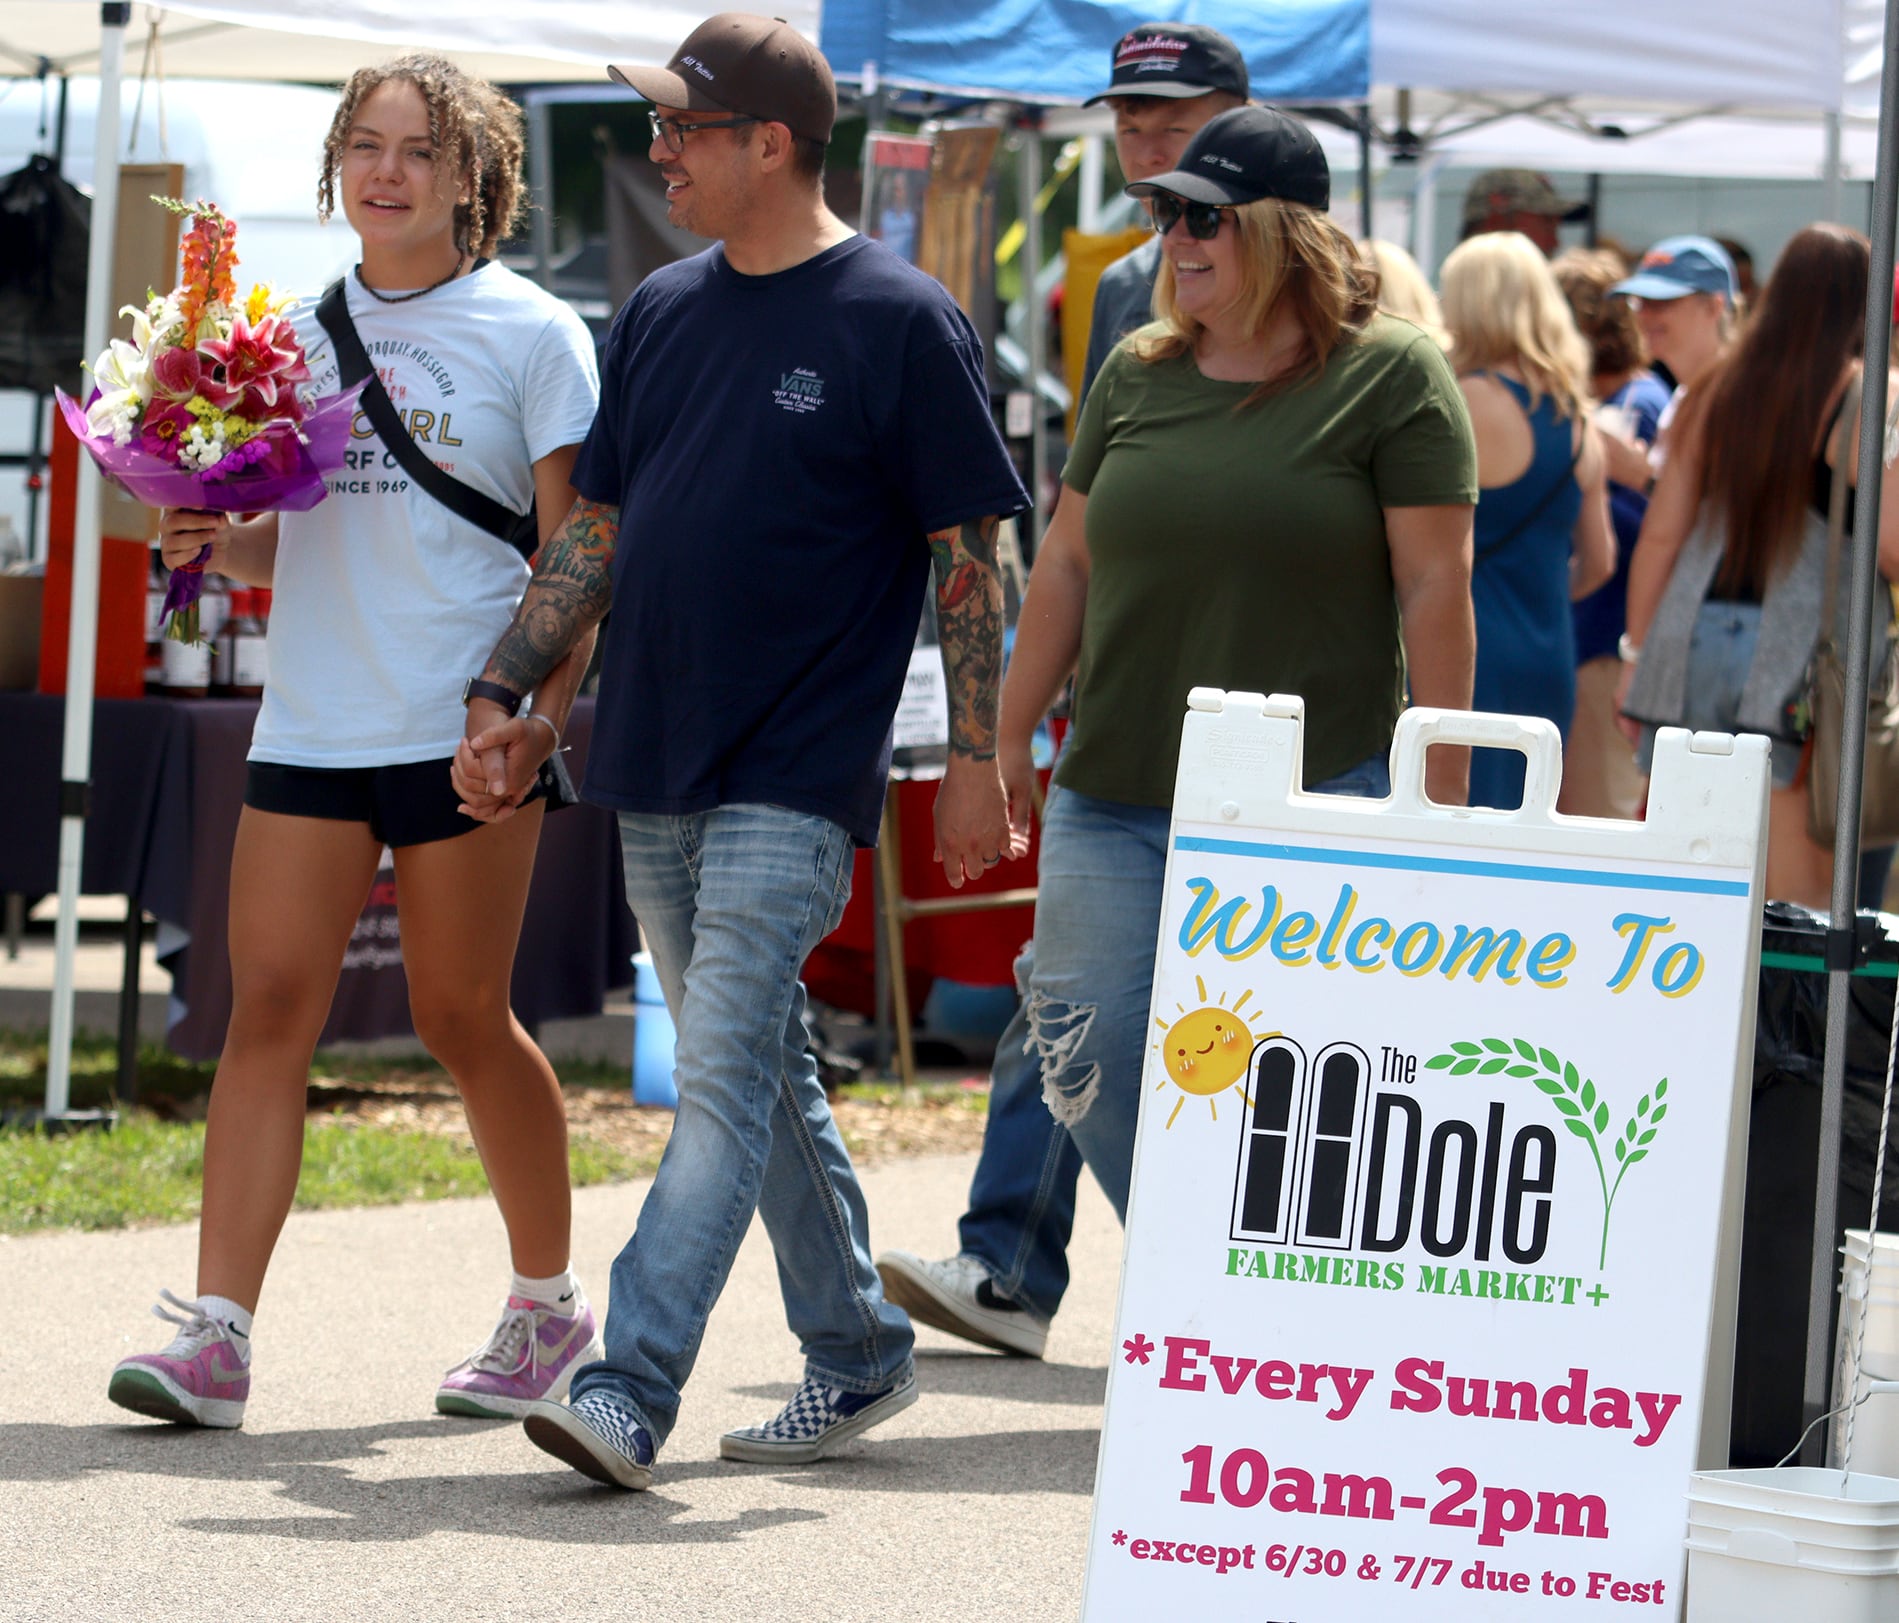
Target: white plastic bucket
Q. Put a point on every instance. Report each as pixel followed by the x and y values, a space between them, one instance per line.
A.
pixel 1792 1544
pixel 1869 1292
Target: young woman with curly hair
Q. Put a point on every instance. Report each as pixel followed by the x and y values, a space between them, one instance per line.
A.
pixel 384 598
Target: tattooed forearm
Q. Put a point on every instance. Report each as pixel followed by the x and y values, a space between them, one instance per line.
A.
pixel 571 589
pixel 969 627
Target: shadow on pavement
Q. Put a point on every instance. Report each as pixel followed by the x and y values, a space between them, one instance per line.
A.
pixel 310 1470
pixel 1006 1462
pixel 952 1372
pixel 46 1453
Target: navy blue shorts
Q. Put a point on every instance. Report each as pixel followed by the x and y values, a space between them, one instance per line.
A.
pixel 412 803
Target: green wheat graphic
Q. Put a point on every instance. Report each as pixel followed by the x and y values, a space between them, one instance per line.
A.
pixel 1585 1112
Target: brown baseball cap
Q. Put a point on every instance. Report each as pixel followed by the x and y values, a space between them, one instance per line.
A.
pixel 1518 191
pixel 736 62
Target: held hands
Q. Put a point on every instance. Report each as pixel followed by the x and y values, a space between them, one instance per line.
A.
pixel 975 825
pixel 185 534
pixel 497 760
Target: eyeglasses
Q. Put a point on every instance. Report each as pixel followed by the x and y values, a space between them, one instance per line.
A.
pixel 1203 219
pixel 671 133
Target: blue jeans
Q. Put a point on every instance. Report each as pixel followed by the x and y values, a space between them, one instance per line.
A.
pixel 1067 1081
pixel 731 901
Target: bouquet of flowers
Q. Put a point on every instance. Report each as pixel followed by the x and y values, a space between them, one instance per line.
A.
pixel 202 407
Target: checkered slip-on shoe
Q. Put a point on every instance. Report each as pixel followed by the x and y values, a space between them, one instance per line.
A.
pixel 817 1421
pixel 597 1436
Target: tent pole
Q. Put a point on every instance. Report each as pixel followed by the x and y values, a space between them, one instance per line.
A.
pixel 1034 328
pixel 1833 203
pixel 1364 170
pixel 1424 215
pixel 82 633
pixel 1088 214
pixel 1865 560
pixel 541 184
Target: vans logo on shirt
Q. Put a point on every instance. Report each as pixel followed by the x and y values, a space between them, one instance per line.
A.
pixel 800 389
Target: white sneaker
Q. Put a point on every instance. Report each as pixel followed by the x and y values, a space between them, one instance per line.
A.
pixel 958 1295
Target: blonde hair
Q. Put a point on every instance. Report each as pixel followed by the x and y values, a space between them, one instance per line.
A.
pixel 1289 253
pixel 1504 308
pixel 1403 290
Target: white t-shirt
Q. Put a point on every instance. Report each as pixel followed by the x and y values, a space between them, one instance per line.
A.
pixel 385 601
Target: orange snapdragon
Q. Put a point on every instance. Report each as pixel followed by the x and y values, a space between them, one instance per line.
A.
pixel 209 258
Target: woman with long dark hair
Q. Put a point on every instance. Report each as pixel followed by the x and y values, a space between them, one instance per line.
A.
pixel 1726 586
pixel 384 598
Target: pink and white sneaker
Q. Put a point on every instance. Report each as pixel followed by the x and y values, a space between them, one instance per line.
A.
pixel 532 1355
pixel 201 1379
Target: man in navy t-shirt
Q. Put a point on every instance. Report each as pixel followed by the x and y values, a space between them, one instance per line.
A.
pixel 793 426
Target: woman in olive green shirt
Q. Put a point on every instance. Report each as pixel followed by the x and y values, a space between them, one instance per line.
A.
pixel 1271 491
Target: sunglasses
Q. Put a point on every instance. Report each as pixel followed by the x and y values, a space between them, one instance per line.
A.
pixel 1203 219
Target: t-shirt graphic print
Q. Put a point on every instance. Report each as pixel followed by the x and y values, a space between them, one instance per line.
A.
pixel 385 600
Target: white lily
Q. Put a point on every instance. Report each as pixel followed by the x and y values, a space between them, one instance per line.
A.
pixel 114 413
pixel 124 366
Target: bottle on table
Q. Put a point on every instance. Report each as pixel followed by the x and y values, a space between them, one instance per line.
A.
pixel 187 669
pixel 248 657
pixel 214 617
pixel 155 625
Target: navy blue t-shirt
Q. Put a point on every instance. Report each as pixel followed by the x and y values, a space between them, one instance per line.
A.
pixel 779 448
pixel 1602 616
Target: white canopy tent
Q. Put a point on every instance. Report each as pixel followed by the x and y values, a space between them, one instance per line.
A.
pixel 1752 88
pixel 324 41
pixel 1491 56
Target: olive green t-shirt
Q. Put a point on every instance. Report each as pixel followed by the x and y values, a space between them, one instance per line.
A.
pixel 1245 549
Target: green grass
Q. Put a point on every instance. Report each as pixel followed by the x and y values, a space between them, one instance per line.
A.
pixel 163 1075
pixel 147 1171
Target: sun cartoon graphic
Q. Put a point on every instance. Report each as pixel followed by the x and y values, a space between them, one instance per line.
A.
pixel 1204 1052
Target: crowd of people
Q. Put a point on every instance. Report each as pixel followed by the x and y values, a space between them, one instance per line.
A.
pixel 1486 494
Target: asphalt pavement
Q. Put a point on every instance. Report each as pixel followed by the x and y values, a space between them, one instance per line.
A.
pixel 346 1498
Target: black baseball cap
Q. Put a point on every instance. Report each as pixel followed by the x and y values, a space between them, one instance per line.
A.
pixel 736 62
pixel 1244 154
pixel 1175 59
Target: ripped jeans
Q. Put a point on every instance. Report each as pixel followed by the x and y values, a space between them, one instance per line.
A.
pixel 1067 1080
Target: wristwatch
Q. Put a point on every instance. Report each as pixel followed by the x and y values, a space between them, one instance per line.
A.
pixel 493 692
pixel 1625 649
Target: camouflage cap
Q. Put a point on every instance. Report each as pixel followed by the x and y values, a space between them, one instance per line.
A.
pixel 1517 191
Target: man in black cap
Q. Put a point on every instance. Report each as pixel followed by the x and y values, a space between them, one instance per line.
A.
pixel 1002 1287
pixel 1168 79
pixel 793 426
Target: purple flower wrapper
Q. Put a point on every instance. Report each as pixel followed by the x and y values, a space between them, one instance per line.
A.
pixel 289 479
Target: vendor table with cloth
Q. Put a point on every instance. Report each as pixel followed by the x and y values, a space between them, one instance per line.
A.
pixel 167 786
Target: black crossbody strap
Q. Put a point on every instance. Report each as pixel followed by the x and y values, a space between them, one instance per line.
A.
pixel 462 500
pixel 1537 511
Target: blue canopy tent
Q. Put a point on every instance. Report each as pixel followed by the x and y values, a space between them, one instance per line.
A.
pixel 1050 51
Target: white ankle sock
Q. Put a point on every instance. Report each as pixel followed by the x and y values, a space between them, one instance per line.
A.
pixel 228 1313
pixel 560 1291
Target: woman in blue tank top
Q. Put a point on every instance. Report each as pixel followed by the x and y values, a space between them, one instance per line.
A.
pixel 1543 536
